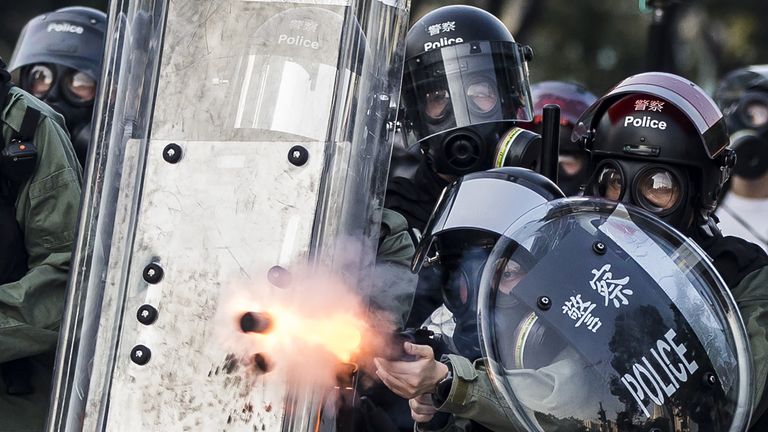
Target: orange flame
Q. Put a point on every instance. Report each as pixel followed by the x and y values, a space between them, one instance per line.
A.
pixel 338 333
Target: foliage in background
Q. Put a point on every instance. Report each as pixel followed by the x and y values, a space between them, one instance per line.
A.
pixel 600 42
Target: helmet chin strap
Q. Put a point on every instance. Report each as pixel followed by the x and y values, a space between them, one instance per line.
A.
pixel 704 227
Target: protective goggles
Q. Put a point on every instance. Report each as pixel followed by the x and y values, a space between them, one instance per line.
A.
pixel 656 188
pixel 74 86
pixel 481 96
pixel 753 110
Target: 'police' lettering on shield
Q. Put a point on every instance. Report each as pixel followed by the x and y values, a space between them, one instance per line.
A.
pixel 659 378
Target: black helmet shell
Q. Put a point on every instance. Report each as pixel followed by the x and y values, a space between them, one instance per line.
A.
pixel 450 25
pixel 743 98
pixel 482 205
pixel 734 84
pixel 71 36
pixel 465 82
pixel 572 98
pixel 662 118
pixel 685 95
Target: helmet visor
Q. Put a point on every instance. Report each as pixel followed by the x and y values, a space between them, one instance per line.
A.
pixel 466 84
pixel 457 209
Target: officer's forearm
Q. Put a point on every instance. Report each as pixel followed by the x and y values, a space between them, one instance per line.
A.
pixel 473 397
pixel 30 309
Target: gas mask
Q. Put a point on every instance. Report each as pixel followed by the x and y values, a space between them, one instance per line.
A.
pixel 462 273
pixel 58 57
pixel 748 122
pixel 460 99
pixel 658 141
pixel 661 189
pixel 460 294
pixel 68 91
pixel 467 149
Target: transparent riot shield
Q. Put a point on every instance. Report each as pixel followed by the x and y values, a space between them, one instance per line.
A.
pixel 595 316
pixel 240 145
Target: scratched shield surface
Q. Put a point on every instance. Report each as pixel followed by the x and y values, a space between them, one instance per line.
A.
pixel 223 147
pixel 213 223
pixel 229 209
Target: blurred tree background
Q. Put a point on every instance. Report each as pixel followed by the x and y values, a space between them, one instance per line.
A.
pixel 600 42
pixel 594 42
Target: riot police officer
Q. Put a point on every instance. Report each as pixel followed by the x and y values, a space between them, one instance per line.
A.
pixel 657 141
pixel 465 83
pixel 563 346
pixel 743 97
pixel 58 58
pixel 573 99
pixel 40 183
pixel 457 241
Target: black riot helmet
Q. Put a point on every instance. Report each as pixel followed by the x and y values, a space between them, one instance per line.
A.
pixel 743 97
pixel 573 99
pixel 465 82
pixel 59 57
pixel 659 142
pixel 470 216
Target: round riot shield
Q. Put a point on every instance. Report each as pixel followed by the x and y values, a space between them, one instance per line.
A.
pixel 596 316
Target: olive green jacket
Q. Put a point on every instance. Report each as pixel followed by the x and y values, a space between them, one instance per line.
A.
pixel 47 206
pixel 472 396
pixel 394 284
pixel 751 297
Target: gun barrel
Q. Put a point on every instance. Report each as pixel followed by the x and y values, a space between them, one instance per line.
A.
pixel 255 322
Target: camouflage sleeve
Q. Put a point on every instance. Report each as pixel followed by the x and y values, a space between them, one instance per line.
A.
pixel 46 210
pixel 751 297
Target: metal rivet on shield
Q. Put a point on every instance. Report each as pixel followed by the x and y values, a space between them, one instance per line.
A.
pixel 298 155
pixel 710 379
pixel 279 277
pixel 146 314
pixel 153 273
pixel 172 153
pixel 140 355
pixel 599 248
pixel 544 303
